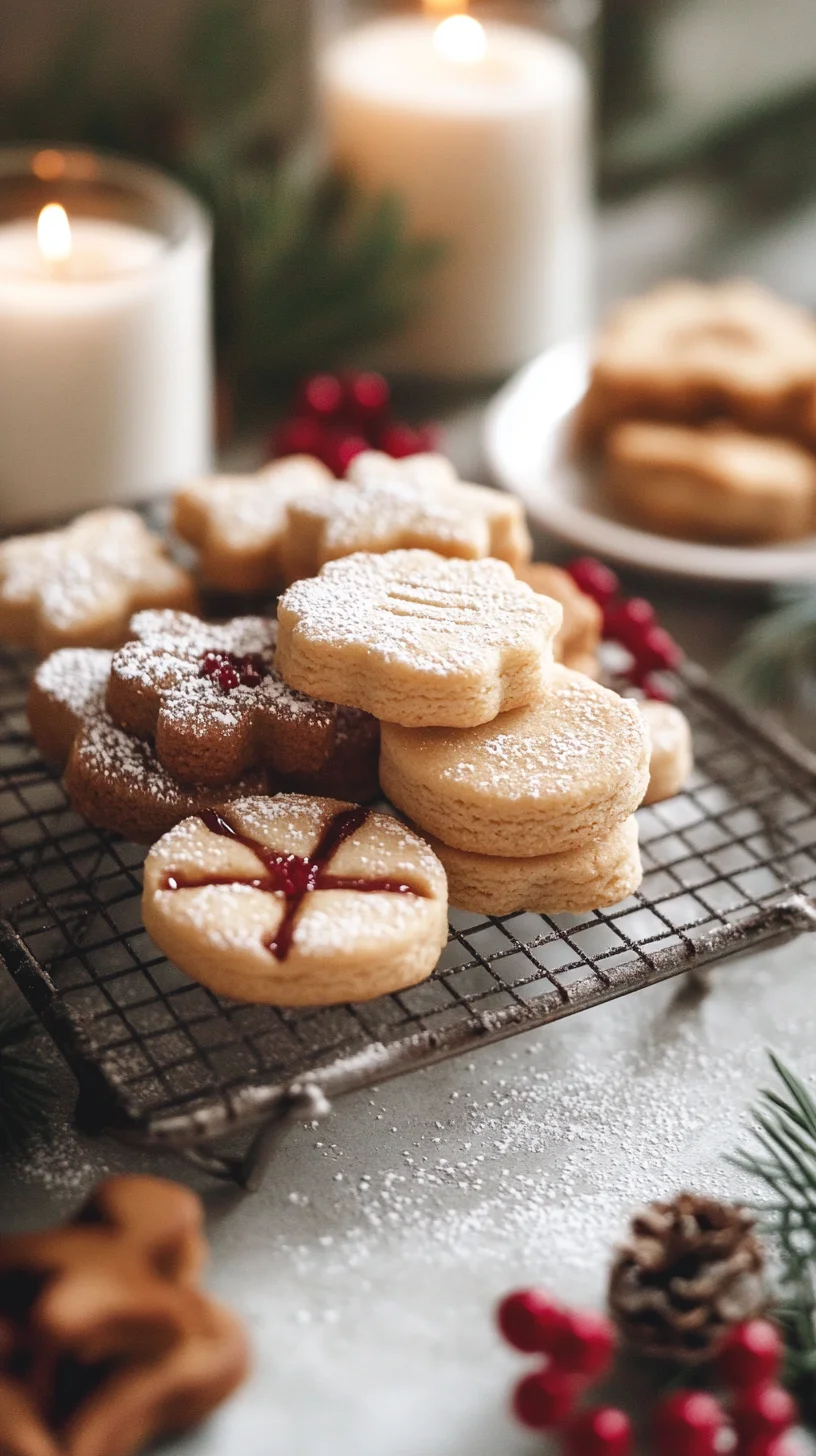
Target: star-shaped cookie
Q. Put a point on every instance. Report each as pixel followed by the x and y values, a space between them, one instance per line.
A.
pixel 79 587
pixel 214 702
pixel 387 505
pixel 417 639
pixel 238 522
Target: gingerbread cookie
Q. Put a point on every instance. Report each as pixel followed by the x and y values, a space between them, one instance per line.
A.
pixel 577 643
pixel 690 351
pixel 714 482
pixel 79 587
pixel 598 874
pixel 417 639
pixel 388 505
pixel 239 522
pixel 215 705
pixel 108 1341
pixel 542 780
pixel 672 750
pixel 297 901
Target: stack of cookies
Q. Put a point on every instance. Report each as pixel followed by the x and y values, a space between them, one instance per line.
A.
pixel 702 400
pixel 524 775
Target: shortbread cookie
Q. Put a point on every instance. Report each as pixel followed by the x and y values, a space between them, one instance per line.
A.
pixel 297 901
pixel 216 706
pixel 79 587
pixel 690 351
pixel 713 482
pixel 388 505
pixel 672 750
pixel 596 875
pixel 577 643
pixel 417 639
pixel 239 522
pixel 538 781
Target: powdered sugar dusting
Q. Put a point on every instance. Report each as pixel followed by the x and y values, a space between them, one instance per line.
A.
pixel 75 676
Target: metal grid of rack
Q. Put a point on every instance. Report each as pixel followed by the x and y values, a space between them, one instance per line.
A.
pixel 161 1061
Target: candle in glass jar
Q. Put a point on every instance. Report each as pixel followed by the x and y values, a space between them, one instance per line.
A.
pixel 483 133
pixel 105 379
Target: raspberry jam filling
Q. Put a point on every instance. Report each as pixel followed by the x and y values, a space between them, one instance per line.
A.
pixel 229 671
pixel 293 875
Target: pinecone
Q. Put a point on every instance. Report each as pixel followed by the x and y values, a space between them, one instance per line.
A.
pixel 691 1271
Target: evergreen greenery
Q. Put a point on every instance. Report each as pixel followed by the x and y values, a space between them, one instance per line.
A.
pixel 778 649
pixel 308 271
pixel 25 1092
pixel 784 1159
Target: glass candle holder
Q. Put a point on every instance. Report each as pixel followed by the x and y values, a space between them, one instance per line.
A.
pixel 105 338
pixel 478 119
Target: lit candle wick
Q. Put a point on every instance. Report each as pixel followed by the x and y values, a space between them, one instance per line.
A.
pixel 461 38
pixel 54 233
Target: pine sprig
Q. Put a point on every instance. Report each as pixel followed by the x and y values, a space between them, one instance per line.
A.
pixel 26 1097
pixel 777 649
pixel 784 1159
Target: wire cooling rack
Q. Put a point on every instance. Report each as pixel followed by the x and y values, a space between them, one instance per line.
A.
pixel 161 1061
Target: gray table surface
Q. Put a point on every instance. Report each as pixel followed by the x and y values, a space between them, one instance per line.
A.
pixel 367 1266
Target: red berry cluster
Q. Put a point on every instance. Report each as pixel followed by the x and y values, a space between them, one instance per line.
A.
pixel 631 622
pixel 336 418
pixel 229 671
pixel 578 1349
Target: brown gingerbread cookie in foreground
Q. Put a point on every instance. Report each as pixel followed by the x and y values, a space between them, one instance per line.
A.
pixel 80 586
pixel 107 1342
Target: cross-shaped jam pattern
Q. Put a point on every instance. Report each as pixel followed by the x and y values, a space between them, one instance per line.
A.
pixel 292 875
pixel 230 671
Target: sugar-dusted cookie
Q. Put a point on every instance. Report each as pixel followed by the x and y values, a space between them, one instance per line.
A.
pixel 537 781
pixel 112 778
pixel 108 1342
pixel 238 522
pixel 688 351
pixel 216 706
pixel 598 874
pixel 388 505
pixel 672 750
pixel 712 482
pixel 577 643
pixel 417 639
pixel 79 587
pixel 297 901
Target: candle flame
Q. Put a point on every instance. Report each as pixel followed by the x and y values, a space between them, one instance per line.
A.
pixel 54 233
pixel 461 38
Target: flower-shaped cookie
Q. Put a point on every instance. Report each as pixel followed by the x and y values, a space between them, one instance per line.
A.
pixel 388 505
pixel 238 522
pixel 690 350
pixel 213 700
pixel 418 639
pixel 106 1340
pixel 79 587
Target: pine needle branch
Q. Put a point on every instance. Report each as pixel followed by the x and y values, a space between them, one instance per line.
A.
pixel 776 649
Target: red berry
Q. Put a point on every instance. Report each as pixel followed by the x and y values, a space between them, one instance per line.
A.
pixel 595 579
pixel 689 1424
pixel 341 449
pixel 210 663
pixel 657 651
pixel 400 441
pixel 752 1355
pixel 368 397
pixel 226 677
pixel 770 1446
pixel 765 1410
pixel 627 621
pixel 584 1345
pixel 545 1399
pixel 301 436
pixel 529 1321
pixel 602 1432
pixel 321 395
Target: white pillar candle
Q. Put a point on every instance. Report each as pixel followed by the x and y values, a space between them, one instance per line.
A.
pixel 105 372
pixel 483 132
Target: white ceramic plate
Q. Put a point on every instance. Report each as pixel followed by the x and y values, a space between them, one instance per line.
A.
pixel 527 432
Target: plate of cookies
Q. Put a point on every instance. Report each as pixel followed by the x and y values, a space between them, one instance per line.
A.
pixel 683 439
